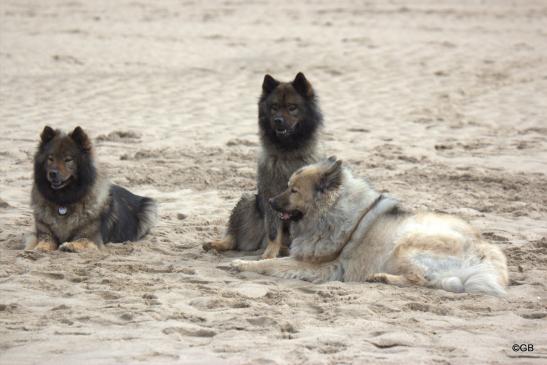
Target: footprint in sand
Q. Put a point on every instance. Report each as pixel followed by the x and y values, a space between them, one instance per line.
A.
pixel 392 339
pixel 50 275
pixel 193 331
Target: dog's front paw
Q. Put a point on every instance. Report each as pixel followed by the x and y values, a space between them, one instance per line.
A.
pixel 271 252
pixel 78 246
pixel 241 265
pixel 45 246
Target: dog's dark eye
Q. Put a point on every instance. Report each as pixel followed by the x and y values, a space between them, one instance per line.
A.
pixel 50 158
pixel 274 107
pixel 68 159
pixel 292 107
pixel 293 190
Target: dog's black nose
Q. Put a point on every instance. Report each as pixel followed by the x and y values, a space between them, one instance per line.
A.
pixel 272 203
pixel 53 174
pixel 278 121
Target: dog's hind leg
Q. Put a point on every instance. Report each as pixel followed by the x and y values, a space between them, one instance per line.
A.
pixel 406 273
pixel 245 230
pixel 226 243
pixel 289 268
pixel 399 280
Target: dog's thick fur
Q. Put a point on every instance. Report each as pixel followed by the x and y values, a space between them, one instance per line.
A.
pixel 289 119
pixel 75 207
pixel 344 230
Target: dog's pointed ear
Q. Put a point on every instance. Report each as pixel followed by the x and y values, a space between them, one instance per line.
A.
pixel 302 85
pixel 269 84
pixel 331 177
pixel 80 137
pixel 47 134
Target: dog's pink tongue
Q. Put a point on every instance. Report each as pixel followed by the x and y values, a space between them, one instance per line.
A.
pixel 285 216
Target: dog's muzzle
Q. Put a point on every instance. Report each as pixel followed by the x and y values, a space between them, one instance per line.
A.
pixel 284 215
pixel 56 181
pixel 281 127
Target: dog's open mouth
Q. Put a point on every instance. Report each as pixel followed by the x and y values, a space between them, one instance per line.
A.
pixel 293 215
pixel 57 185
pixel 282 132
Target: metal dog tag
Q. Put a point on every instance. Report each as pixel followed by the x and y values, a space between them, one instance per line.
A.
pixel 62 210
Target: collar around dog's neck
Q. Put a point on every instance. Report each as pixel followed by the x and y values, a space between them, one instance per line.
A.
pixel 361 218
pixel 363 215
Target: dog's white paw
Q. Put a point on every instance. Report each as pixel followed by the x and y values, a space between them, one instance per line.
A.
pixel 241 265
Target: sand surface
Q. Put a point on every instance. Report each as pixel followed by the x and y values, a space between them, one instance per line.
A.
pixel 440 103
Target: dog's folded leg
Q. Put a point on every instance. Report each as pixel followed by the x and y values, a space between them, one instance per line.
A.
pixel 289 268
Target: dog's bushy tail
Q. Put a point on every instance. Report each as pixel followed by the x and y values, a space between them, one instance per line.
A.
pixel 147 216
pixel 485 272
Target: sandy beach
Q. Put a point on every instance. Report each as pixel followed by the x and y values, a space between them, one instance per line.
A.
pixel 442 104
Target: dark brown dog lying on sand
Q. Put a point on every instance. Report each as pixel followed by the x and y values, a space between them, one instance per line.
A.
pixel 75 206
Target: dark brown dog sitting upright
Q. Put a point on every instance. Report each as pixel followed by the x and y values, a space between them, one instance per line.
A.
pixel 289 120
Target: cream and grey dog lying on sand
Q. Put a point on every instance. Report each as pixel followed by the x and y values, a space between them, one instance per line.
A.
pixel 342 229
